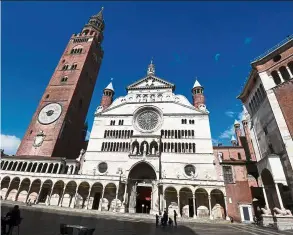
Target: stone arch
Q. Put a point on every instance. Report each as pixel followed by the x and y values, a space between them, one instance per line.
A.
pixel 50 169
pixel 290 66
pixel 202 203
pixel 82 194
pixel 218 204
pixel 56 193
pixel 34 191
pixel 45 191
pixel 45 167
pixel 30 165
pixel 13 188
pixel 270 189
pixel 186 202
pixel 95 196
pixel 10 166
pixel 135 147
pixel 276 77
pixel 109 195
pixel 14 166
pixel 284 72
pixel 39 168
pixel 144 146
pixel 154 148
pixel 24 166
pixel 171 200
pixel 55 169
pixel 4 186
pixel 34 167
pixel 5 165
pixel 69 193
pixel 19 166
pixel 23 190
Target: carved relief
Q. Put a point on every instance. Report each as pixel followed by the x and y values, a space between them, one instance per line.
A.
pixel 39 139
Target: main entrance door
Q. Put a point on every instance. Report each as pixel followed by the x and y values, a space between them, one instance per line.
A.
pixel 143 200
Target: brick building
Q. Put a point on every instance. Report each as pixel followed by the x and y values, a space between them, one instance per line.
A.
pixel 268 98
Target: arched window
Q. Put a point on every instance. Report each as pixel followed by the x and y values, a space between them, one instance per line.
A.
pixel 239 156
pixel 290 66
pixel 64 79
pixel 65 67
pixel 74 66
pixel 284 72
pixel 276 77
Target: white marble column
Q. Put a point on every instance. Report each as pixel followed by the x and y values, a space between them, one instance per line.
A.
pixel 58 169
pixel 7 193
pixel 279 197
pixel 289 71
pixel 37 199
pixel 194 209
pixel 62 196
pixel 210 207
pixel 226 207
pixel 281 77
pixel 28 192
pixel 178 202
pixel 16 195
pixel 101 200
pixel 88 197
pixel 116 198
pixel 50 194
pixel 265 197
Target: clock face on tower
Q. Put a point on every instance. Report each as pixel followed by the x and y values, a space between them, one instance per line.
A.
pixel 50 113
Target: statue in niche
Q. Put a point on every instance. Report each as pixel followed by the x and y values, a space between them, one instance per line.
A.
pixel 134 150
pixel 153 150
pixel 144 147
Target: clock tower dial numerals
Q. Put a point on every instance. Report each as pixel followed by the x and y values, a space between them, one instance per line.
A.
pixel 50 113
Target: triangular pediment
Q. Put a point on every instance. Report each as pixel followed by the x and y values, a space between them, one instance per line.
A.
pixel 151 82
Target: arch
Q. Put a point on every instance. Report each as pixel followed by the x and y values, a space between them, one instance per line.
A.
pixel 34 167
pixel 5 165
pixel 5 182
pixel 45 167
pixel 109 196
pixel 142 171
pixel 19 166
pixel 24 166
pixel 284 72
pixel 154 148
pixel 69 193
pixel 202 203
pixel 50 169
pixel 45 191
pixel 144 146
pixel 23 190
pixel 218 204
pixel 56 193
pixel 10 165
pixel 39 168
pixel 186 202
pixel 95 196
pixel 276 77
pixel 171 199
pixel 30 165
pixel 55 169
pixel 12 190
pixel 135 147
pixel 14 166
pixel 82 193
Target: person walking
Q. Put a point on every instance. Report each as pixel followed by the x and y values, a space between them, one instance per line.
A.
pixel 11 219
pixel 165 218
pixel 175 218
pixel 157 220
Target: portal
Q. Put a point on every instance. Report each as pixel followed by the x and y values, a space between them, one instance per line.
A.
pixel 143 199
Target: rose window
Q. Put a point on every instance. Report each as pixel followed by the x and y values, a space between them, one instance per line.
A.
pixel 148 120
pixel 189 170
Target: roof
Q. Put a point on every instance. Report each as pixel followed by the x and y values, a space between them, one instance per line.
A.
pixel 236 122
pixel 196 84
pixel 233 138
pixel 110 87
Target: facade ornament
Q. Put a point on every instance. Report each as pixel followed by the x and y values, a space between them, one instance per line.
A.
pixel 265 210
pixel 151 69
pixel 164 174
pixel 282 212
pixel 99 109
pixel 39 139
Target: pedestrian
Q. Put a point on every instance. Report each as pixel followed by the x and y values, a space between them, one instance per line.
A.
pixel 165 217
pixel 175 218
pixel 231 219
pixel 157 220
pixel 11 219
pixel 170 222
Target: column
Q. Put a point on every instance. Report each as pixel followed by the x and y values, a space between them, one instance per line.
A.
pixel 117 190
pixel 48 168
pixel 75 196
pixel 210 207
pixel 125 190
pixel 265 196
pixel 226 207
pixel 178 202
pixel 289 71
pixel 100 205
pixel 88 198
pixel 26 166
pixel 17 191
pixel 281 77
pixel 61 201
pixel 17 166
pixel 194 209
pixel 37 199
pixel 28 193
pixel 6 195
pixel 279 197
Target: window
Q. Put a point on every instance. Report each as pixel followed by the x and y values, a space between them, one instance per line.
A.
pixel 64 79
pixel 112 122
pixel 276 77
pixel 74 66
pixel 47 96
pixel 102 167
pixel 239 156
pixel 65 67
pixel 228 174
pixel 189 170
pixel 121 122
pixel 284 72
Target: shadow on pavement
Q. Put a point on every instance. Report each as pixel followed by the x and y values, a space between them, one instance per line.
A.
pixel 38 222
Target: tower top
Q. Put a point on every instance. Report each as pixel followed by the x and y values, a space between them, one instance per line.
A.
pixel 97 21
pixel 196 84
pixel 151 68
pixel 233 138
pixel 100 14
pixel 236 123
pixel 109 87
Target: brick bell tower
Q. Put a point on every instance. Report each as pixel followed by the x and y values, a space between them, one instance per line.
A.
pixel 107 97
pixel 197 94
pixel 58 128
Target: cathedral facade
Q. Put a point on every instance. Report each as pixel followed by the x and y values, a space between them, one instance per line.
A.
pixel 149 151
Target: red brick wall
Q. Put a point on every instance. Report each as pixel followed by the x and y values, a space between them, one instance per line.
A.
pixel 198 99
pixel 79 86
pixel 284 94
pixel 239 193
pixel 106 100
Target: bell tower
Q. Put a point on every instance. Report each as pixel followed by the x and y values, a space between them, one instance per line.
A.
pixel 58 125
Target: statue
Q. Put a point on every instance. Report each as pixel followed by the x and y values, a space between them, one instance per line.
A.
pixel 80 161
pixel 265 211
pixel 132 200
pixel 282 212
pixel 144 147
pixel 153 151
pixel 134 150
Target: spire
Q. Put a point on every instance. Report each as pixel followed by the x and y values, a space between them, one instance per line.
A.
pixel 100 14
pixel 151 68
pixel 110 86
pixel 233 138
pixel 196 84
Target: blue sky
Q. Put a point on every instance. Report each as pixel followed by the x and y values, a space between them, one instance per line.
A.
pixel 214 41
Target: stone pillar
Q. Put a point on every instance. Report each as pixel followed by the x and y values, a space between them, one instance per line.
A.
pixel 226 207
pixel 7 193
pixel 210 207
pixel 279 197
pixel 59 165
pixel 28 192
pixel 26 167
pixel 17 193
pixel 281 77
pixel 75 196
pixel 50 195
pixel 88 197
pixel 37 199
pixel 194 209
pixel 48 166
pixel 61 201
pixel 42 168
pixel 117 191
pixel 265 197
pixel 100 205
pixel 289 71
pixel 124 195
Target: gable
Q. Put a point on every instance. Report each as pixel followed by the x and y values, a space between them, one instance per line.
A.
pixel 150 82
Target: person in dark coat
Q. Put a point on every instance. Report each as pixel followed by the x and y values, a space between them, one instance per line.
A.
pixel 165 217
pixel 157 220
pixel 175 218
pixel 11 219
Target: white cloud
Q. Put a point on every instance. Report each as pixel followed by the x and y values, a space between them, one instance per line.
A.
pixel 229 132
pixel 230 113
pixel 9 143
